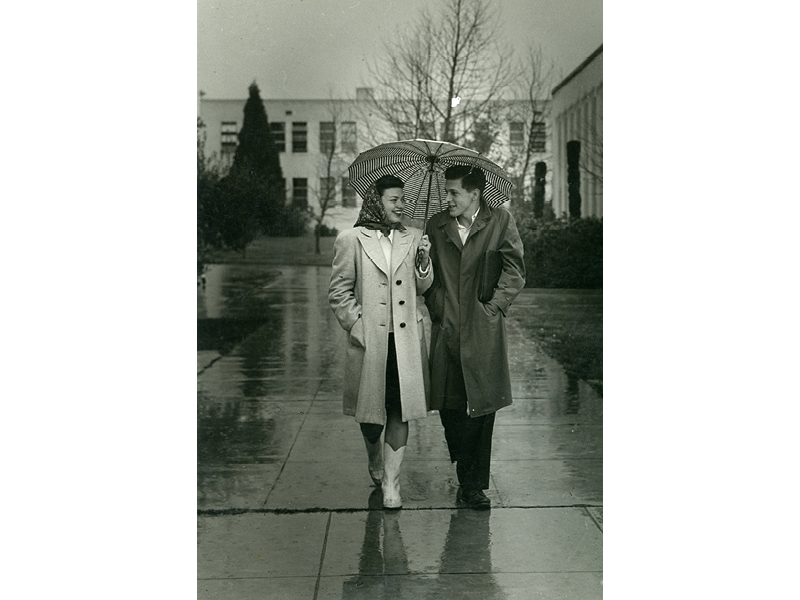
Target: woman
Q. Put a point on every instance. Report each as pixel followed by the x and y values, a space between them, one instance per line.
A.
pixel 375 294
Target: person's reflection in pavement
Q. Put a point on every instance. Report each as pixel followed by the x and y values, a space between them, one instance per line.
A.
pixel 379 559
pixel 467 549
pixel 465 566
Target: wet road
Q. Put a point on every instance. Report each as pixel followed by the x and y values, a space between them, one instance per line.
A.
pixel 284 497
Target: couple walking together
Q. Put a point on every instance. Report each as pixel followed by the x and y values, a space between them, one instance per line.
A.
pixel 381 273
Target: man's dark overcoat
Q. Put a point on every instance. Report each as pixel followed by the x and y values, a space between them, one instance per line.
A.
pixel 461 323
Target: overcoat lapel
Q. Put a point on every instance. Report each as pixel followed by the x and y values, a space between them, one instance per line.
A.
pixel 480 222
pixel 450 229
pixel 400 247
pixel 372 246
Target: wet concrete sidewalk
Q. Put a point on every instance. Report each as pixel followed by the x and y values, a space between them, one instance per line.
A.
pixel 286 508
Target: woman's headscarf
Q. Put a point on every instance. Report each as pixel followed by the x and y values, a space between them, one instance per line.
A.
pixel 373 215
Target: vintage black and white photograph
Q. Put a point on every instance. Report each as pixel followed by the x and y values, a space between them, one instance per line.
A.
pixel 400 299
pixel 411 300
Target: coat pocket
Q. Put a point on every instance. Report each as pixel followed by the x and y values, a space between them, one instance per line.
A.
pixel 357 334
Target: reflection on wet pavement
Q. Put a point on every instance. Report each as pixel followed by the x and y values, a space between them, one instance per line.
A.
pixel 271 437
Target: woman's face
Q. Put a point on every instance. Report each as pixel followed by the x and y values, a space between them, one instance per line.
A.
pixel 393 203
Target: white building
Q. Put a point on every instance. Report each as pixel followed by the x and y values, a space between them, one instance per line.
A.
pixel 307 130
pixel 577 115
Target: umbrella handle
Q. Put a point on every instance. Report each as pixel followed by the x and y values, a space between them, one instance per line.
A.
pixel 428 201
pixel 420 253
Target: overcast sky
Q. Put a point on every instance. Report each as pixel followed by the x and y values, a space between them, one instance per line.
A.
pixel 309 48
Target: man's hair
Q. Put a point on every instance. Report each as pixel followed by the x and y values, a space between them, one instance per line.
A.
pixel 472 178
pixel 388 182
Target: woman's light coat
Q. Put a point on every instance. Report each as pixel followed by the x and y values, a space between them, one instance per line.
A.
pixel 362 286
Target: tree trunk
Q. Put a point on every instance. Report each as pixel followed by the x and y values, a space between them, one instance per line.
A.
pixel 574 178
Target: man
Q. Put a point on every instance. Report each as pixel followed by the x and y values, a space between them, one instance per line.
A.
pixel 470 379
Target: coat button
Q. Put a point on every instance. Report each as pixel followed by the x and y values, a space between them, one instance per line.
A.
pixel 399 281
pixel 402 324
pixel 402 302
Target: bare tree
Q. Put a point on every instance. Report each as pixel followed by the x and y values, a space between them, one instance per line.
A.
pixel 533 88
pixel 592 154
pixel 336 153
pixel 523 128
pixel 445 75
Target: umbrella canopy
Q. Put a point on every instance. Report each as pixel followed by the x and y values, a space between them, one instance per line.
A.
pixel 421 165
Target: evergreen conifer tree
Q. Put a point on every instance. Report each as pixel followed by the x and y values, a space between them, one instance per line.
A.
pixel 253 195
pixel 574 178
pixel 256 155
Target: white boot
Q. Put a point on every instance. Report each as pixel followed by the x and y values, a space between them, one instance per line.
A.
pixel 392 459
pixel 375 461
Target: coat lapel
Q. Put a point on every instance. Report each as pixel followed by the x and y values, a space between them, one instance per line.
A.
pixel 481 221
pixel 372 246
pixel 400 247
pixel 450 229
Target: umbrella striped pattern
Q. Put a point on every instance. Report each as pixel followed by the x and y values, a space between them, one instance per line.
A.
pixel 421 165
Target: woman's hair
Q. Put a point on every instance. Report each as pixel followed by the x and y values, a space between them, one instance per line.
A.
pixel 388 182
pixel 472 178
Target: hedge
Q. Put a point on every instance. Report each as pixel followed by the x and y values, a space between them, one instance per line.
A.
pixel 562 252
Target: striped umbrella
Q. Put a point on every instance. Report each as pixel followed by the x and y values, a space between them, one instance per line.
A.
pixel 421 165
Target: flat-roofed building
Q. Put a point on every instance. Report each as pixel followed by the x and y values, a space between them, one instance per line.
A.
pixel 319 139
pixel 577 116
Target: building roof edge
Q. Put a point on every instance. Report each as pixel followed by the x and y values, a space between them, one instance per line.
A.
pixel 580 68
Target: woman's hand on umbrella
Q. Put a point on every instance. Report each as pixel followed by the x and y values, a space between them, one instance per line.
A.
pixel 423 252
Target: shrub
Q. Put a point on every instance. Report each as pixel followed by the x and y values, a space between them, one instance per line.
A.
pixel 291 221
pixel 563 252
pixel 325 231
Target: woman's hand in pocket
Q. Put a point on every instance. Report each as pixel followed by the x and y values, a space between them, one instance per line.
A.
pixel 357 334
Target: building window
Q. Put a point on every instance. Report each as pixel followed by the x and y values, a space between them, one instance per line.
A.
pixel 327 137
pixel 300 192
pixel 228 137
pixel 348 193
pixel 327 191
pixel 299 137
pixel 279 135
pixel 538 133
pixel 516 136
pixel 349 137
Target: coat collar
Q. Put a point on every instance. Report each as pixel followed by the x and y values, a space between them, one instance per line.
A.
pixel 450 228
pixel 483 218
pixel 401 245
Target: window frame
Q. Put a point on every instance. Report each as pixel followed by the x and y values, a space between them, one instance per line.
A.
pixel 295 188
pixel 278 135
pixel 228 139
pixel 349 143
pixel 299 137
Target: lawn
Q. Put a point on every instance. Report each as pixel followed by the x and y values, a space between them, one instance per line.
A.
pixel 280 251
pixel 569 325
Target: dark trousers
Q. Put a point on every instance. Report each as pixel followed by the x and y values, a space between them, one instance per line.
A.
pixel 372 431
pixel 468 439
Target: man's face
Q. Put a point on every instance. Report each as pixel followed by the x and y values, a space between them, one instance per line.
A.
pixel 393 203
pixel 460 202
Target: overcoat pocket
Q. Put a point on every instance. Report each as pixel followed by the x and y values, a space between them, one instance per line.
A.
pixel 357 334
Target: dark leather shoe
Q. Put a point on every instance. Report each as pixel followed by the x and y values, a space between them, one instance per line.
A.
pixel 474 499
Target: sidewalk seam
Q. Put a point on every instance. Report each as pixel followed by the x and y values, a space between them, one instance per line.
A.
pixel 227 512
pixel 591 516
pixel 322 557
pixel 294 441
pixel 209 365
